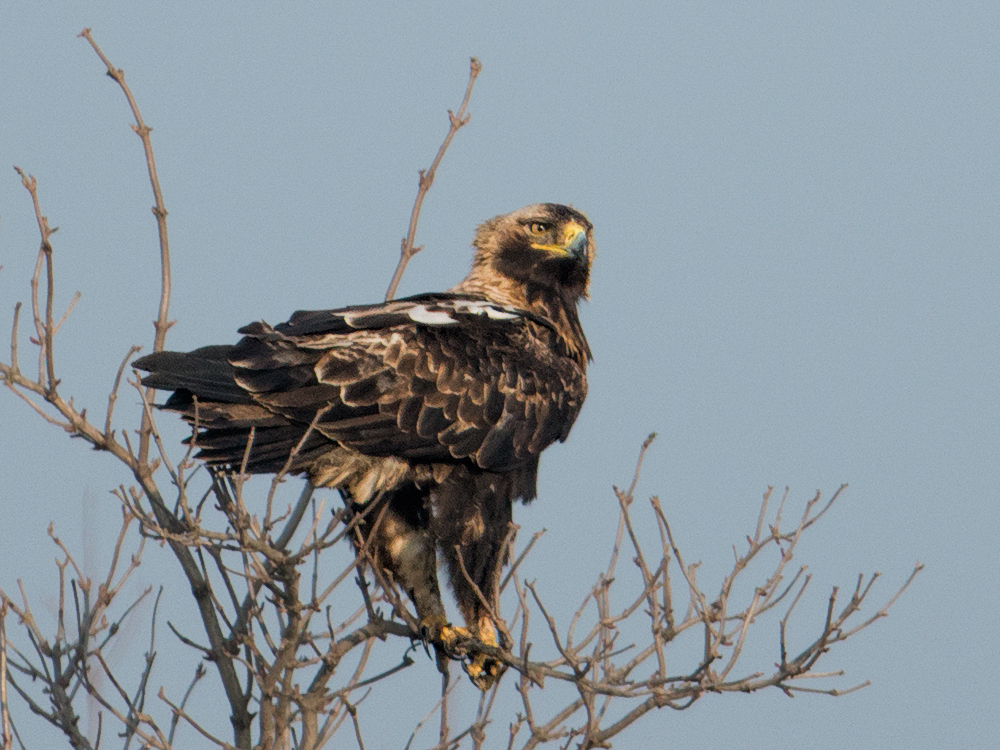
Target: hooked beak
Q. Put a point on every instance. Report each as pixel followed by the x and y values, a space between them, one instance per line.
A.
pixel 574 242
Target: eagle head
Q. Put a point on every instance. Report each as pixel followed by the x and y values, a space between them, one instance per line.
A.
pixel 541 250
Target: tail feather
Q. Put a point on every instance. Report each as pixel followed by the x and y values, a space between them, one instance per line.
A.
pixel 270 448
pixel 204 373
pixel 205 392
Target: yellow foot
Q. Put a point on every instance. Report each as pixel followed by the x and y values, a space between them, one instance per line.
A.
pixel 453 641
pixel 483 671
pixel 432 625
pixel 437 630
pixel 453 637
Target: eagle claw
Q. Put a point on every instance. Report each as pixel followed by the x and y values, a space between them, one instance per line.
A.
pixel 431 627
pixel 437 630
pixel 454 641
pixel 483 670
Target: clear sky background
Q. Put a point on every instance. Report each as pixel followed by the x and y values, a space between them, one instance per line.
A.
pixel 795 206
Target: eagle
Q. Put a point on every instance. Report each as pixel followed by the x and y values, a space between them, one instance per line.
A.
pixel 427 413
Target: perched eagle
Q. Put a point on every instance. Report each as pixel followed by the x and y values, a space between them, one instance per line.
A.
pixel 428 413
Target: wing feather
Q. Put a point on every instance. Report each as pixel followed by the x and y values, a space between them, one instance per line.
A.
pixel 434 378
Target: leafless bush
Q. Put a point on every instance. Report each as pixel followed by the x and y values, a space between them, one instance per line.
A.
pixel 289 642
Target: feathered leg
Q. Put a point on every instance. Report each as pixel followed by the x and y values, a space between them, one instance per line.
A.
pixel 474 534
pixel 395 532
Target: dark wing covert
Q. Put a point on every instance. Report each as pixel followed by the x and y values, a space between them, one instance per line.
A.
pixel 432 378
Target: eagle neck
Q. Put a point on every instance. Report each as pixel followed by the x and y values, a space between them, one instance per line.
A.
pixel 557 307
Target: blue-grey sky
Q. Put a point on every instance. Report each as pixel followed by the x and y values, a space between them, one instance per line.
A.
pixel 795 206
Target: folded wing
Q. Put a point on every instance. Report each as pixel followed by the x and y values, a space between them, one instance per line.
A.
pixel 436 378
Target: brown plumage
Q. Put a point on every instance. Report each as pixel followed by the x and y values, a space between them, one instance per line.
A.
pixel 428 412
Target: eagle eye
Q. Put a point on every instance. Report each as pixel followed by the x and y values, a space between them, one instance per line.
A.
pixel 539 227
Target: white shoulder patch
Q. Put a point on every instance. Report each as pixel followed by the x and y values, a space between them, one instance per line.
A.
pixel 420 314
pixel 497 314
pixel 485 308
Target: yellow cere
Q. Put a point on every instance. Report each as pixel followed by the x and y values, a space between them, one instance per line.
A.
pixel 570 232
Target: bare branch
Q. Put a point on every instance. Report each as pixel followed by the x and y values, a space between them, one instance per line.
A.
pixel 455 123
pixel 297 649
pixel 8 739
pixel 159 209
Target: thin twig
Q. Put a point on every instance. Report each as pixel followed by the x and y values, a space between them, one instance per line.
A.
pixel 8 740
pixel 162 324
pixel 455 122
